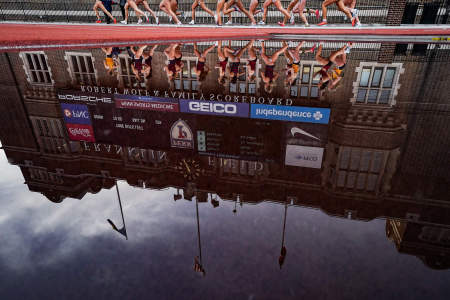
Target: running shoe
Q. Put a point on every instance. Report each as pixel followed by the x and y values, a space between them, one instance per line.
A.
pixel 317 14
pixel 124 22
pixel 98 21
pixel 139 21
pixel 170 19
pixel 358 24
pixel 146 17
pixel 281 24
pixel 261 22
pixel 307 25
pixel 353 22
pixel 215 18
pixel 179 23
pixel 322 23
pixel 313 48
pixel 192 22
pixel 229 22
pixel 157 20
pixel 115 20
pixel 292 19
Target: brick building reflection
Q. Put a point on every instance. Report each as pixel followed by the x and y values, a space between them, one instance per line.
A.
pixel 385 149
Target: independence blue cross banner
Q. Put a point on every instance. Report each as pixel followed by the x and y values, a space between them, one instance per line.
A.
pixel 290 113
pixel 76 114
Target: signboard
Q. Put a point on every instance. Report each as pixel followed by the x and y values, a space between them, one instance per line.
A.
pixel 76 114
pixel 228 109
pixel 80 132
pixel 181 135
pixel 302 156
pixel 290 113
pixel 239 138
pixel 146 103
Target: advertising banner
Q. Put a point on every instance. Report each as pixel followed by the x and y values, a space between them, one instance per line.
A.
pixel 290 113
pixel 80 132
pixel 146 103
pixel 228 109
pixel 302 156
pixel 76 114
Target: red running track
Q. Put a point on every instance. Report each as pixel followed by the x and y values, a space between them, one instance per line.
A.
pixel 35 35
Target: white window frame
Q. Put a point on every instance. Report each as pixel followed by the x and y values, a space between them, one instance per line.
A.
pixel 244 62
pixel 28 70
pixel 312 64
pixel 190 78
pixel 71 68
pixel 129 73
pixel 395 83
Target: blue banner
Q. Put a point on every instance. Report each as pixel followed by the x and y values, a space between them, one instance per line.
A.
pixel 76 114
pixel 215 108
pixel 290 113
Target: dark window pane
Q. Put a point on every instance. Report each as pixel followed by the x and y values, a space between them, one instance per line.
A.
pixel 30 62
pixel 314 92
pixel 384 98
pixel 361 97
pixel 373 95
pixel 389 78
pixel 44 62
pixel 75 64
pixel 90 64
pixel 304 91
pixel 376 80
pixel 306 74
pixel 365 76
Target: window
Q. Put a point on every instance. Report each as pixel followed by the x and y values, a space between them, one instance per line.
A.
pixel 36 67
pixel 306 85
pixel 359 169
pixel 243 85
pixel 82 68
pixel 188 79
pixel 377 83
pixel 126 75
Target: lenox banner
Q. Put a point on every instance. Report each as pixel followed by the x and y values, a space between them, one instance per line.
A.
pixel 229 109
pixel 291 113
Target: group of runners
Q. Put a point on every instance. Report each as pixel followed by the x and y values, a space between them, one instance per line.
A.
pixel 229 66
pixel 225 8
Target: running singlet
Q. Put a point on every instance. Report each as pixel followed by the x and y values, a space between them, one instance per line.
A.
pixel 252 64
pixel 137 64
pixel 201 66
pixel 223 64
pixel 324 70
pixel 109 62
pixel 234 68
pixel 296 67
pixel 171 66
pixel 269 72
pixel 178 60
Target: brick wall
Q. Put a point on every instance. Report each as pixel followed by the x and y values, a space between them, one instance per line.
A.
pixel 395 13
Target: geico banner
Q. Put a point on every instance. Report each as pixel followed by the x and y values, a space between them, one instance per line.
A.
pixel 214 108
pixel 76 114
pixel 291 113
pixel 302 156
pixel 146 103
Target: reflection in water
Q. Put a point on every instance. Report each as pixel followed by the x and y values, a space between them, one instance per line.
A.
pixel 357 130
